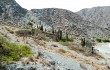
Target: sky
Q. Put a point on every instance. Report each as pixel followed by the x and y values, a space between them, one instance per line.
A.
pixel 73 5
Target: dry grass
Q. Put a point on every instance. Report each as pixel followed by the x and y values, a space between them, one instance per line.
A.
pixel 62 51
pixel 84 50
pixel 79 49
pixel 10 30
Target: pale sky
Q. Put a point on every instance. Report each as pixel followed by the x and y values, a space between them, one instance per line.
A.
pixel 73 5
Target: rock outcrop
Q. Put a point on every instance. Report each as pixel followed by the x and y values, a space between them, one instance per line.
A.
pixel 11 12
pixel 97 15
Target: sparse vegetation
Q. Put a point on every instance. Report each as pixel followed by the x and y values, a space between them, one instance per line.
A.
pixel 10 52
pixel 86 51
pixel 10 30
pixel 62 37
pixel 33 31
pixel 23 33
pixel 62 51
pixel 67 39
pixel 102 40
pixel 105 40
pixel 98 40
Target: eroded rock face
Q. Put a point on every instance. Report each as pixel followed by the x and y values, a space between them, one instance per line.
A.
pixel 68 21
pixel 97 15
pixel 11 12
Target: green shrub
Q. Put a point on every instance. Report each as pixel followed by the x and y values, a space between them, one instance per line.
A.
pixel 10 52
pixel 106 40
pixel 33 31
pixel 98 40
pixel 101 40
pixel 64 39
pixel 67 39
pixel 70 39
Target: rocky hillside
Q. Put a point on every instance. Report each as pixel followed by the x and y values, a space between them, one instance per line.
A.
pixel 10 11
pixel 45 54
pixel 49 55
pixel 97 15
pixel 72 23
pixel 66 20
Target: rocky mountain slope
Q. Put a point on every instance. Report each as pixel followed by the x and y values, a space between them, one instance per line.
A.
pixel 11 12
pixel 66 20
pixel 72 23
pixel 50 55
pixel 97 15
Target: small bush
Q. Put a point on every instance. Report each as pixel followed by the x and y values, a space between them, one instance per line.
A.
pixel 70 40
pixel 23 33
pixel 10 52
pixel 106 40
pixel 98 40
pixel 101 40
pixel 62 51
pixel 11 31
pixel 64 39
pixel 35 31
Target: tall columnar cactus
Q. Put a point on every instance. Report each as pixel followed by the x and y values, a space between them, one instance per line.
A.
pixel 83 43
pixel 59 34
pixel 67 36
pixel 53 31
pixel 41 28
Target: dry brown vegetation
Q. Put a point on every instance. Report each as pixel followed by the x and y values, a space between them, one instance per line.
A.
pixel 84 50
pixel 62 51
pixel 10 30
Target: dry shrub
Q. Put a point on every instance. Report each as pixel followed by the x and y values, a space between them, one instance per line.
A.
pixel 86 51
pixel 62 51
pixel 10 30
pixel 79 49
pixel 23 33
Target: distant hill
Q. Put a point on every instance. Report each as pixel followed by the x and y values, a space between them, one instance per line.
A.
pixel 97 15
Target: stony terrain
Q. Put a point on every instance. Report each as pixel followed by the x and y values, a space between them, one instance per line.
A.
pixel 49 55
